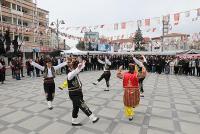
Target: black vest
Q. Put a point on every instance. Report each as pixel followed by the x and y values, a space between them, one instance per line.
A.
pixel 46 72
pixel 107 67
pixel 74 84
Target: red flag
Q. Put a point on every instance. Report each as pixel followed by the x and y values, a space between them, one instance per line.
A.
pixel 123 25
pixel 166 18
pixel 176 18
pixel 102 26
pixel 116 26
pixel 198 12
pixel 154 29
pixel 147 22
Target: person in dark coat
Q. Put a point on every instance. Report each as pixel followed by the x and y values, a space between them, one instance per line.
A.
pixel 2 71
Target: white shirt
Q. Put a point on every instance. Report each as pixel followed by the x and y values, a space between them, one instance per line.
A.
pixel 49 74
pixel 1 66
pixel 75 72
pixel 107 62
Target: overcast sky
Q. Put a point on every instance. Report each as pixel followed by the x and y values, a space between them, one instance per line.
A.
pixel 95 12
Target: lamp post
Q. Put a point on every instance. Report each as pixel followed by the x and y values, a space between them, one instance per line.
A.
pixel 57 24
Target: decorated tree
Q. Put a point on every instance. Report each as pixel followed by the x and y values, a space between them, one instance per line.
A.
pixel 80 45
pixel 138 39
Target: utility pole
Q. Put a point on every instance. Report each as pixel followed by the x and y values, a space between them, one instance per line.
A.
pixel 165 31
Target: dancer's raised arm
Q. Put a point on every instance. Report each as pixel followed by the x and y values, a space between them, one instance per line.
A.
pixel 138 62
pixel 119 72
pixel 60 65
pixel 36 65
pixel 73 73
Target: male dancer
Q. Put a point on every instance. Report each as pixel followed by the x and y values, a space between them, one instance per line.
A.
pixel 76 94
pixel 141 62
pixel 49 75
pixel 106 74
pixel 131 89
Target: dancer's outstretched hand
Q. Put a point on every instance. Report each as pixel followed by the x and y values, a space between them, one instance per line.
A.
pixel 84 61
pixel 30 61
pixel 120 68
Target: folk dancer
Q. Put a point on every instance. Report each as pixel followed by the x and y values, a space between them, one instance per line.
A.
pixel 49 75
pixel 131 89
pixel 141 69
pixel 76 94
pixel 106 74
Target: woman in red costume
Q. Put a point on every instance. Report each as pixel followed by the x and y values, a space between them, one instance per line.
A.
pixel 131 89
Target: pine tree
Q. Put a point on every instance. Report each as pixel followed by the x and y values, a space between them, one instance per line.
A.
pixel 138 39
pixel 80 45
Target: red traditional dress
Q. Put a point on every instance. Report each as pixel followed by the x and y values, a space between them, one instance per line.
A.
pixel 131 89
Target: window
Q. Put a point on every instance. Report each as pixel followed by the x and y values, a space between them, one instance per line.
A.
pixel 14 6
pixel 25 24
pixel 26 38
pixel 18 8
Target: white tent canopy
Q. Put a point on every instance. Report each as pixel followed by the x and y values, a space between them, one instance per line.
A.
pixel 73 51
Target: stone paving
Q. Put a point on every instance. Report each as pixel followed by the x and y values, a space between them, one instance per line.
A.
pixel 171 106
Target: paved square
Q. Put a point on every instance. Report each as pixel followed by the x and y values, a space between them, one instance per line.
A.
pixel 171 106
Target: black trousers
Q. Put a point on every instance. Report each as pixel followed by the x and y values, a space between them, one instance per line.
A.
pixel 141 84
pixel 37 72
pixel 176 69
pixel 22 72
pixel 78 103
pixel 106 75
pixel 49 89
pixel 198 71
pixel 2 76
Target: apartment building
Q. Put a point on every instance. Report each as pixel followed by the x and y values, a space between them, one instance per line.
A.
pixel 30 23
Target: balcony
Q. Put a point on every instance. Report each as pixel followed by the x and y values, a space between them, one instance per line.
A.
pixel 16 12
pixel 5 9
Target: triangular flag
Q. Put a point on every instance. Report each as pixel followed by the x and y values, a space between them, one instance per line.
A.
pixel 154 29
pixel 147 22
pixel 166 18
pixel 176 18
pixel 158 20
pixel 116 26
pixel 139 23
pixel 187 14
pixel 101 26
pixel 123 25
pixel 198 12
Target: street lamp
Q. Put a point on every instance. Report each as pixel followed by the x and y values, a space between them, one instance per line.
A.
pixel 57 24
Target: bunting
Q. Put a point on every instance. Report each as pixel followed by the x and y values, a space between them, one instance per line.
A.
pixel 147 22
pixel 123 25
pixel 176 18
pixel 116 26
pixel 187 14
pixel 139 23
pixel 166 18
pixel 198 12
pixel 101 26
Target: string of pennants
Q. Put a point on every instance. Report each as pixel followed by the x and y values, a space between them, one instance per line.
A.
pixel 150 24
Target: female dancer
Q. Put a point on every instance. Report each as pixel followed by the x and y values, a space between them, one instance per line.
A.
pixel 131 89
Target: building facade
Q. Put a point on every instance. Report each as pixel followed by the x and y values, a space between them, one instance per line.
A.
pixel 30 23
